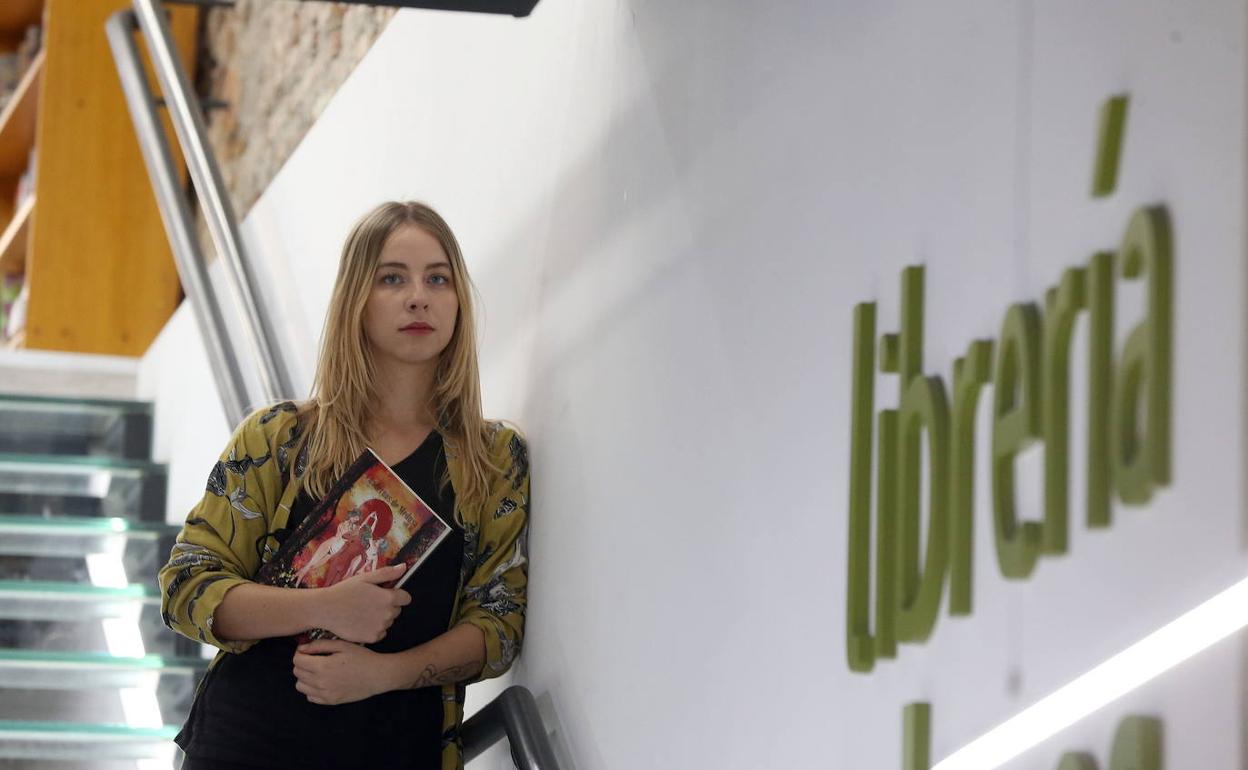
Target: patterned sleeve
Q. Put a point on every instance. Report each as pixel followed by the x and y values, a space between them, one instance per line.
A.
pixel 217 547
pixel 495 594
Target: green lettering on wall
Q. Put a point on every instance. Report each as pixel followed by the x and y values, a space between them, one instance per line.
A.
pixel 910 338
pixel 886 539
pixel 1137 744
pixel 1077 760
pixel 1062 305
pixel 924 407
pixel 916 740
pixel 860 644
pixel 1141 453
pixel 1129 413
pixel 1016 424
pixel 1100 296
pixel 1113 122
pixel 970 374
pixel 890 356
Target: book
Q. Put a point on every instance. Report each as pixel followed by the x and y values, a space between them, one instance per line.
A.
pixel 369 519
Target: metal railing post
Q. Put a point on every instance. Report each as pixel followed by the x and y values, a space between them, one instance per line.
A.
pixel 514 714
pixel 176 216
pixel 188 124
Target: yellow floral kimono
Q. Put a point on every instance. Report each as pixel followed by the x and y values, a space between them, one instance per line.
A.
pixel 230 533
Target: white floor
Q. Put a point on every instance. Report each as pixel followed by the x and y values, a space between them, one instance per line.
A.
pixel 79 375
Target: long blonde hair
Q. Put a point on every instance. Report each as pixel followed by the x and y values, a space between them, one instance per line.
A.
pixel 344 390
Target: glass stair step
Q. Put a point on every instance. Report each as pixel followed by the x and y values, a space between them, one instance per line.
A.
pixel 60 485
pixel 39 424
pixel 31 535
pixel 70 474
pixel 76 741
pixel 36 669
pixel 57 600
pixel 145 634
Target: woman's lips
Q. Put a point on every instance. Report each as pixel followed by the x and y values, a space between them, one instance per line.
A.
pixel 418 329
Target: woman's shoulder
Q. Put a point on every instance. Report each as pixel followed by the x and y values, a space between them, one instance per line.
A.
pixel 501 434
pixel 271 420
pixel 274 431
pixel 270 427
pixel 509 450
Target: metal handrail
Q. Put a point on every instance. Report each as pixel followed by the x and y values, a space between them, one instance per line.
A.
pixel 175 214
pixel 513 713
pixel 188 124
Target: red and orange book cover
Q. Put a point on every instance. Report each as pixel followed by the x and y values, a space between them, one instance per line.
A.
pixel 369 519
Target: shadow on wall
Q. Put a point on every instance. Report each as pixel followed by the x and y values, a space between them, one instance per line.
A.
pixel 633 182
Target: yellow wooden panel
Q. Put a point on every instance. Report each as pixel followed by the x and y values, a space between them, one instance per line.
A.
pixel 100 272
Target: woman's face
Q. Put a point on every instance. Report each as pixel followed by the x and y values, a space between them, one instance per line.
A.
pixel 410 313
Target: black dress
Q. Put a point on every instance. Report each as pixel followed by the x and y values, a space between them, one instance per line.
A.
pixel 249 713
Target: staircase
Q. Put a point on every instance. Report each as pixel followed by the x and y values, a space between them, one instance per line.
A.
pixel 89 677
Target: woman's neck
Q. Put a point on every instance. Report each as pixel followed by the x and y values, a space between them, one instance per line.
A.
pixel 404 394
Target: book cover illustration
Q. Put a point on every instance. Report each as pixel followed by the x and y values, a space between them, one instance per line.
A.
pixel 369 519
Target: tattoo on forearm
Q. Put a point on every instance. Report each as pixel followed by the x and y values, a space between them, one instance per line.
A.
pixel 431 675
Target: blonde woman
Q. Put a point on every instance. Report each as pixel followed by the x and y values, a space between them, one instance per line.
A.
pixel 397 372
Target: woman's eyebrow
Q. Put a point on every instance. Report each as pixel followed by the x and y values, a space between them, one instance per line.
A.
pixel 434 265
pixel 392 264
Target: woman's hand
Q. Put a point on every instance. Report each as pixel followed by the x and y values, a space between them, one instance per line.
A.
pixel 358 609
pixel 330 672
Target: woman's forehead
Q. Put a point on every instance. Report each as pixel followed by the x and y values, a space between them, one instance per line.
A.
pixel 413 247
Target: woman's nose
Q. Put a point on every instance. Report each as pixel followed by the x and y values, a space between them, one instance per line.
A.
pixel 417 299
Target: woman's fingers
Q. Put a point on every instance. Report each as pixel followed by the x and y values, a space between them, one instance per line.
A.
pixel 320 646
pixel 313 694
pixel 393 572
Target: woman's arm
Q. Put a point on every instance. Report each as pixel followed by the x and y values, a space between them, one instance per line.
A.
pixel 331 672
pixel 357 609
pixel 207 588
pixel 216 550
pixel 452 657
pixel 496 593
pixel 251 611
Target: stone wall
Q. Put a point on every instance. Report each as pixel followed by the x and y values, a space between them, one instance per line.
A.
pixel 275 64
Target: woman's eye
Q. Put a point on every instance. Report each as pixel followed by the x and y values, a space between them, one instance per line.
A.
pixel 392 279
pixel 439 280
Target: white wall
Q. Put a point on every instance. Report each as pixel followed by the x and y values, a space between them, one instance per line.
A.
pixel 670 210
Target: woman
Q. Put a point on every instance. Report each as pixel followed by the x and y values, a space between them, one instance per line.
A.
pixel 397 372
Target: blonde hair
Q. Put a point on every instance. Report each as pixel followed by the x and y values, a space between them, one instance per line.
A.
pixel 344 390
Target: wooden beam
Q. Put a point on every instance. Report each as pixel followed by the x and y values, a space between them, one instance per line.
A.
pixel 100 273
